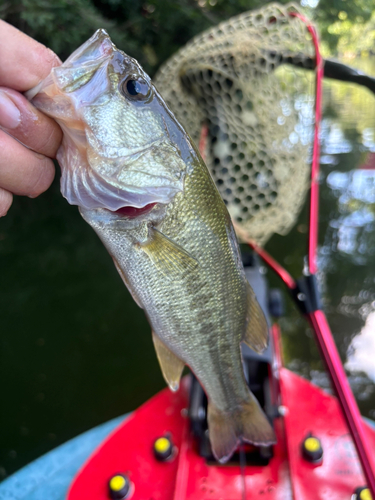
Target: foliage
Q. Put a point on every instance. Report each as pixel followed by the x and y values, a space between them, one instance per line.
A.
pixel 354 38
pixel 151 31
pixel 346 26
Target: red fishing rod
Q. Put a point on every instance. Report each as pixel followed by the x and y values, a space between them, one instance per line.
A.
pixel 305 290
pixel 316 316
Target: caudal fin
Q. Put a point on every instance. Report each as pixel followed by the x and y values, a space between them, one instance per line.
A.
pixel 247 423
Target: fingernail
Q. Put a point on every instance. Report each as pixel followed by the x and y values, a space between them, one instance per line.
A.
pixel 10 116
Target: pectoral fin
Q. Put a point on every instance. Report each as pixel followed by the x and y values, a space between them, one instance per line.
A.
pixel 256 333
pixel 171 259
pixel 171 366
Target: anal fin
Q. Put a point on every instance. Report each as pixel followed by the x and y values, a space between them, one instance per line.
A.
pixel 171 366
pixel 256 333
pixel 169 257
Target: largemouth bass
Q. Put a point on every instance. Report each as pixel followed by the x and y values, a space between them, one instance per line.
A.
pixel 140 182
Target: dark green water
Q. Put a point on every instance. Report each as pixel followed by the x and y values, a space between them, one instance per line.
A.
pixel 77 351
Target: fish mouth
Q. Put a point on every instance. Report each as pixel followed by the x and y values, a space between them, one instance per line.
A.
pixel 134 212
pixel 128 215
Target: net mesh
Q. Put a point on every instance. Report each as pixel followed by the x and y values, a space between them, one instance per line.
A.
pixel 244 80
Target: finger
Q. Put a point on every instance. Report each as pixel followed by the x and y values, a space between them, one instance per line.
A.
pixel 6 199
pixel 21 170
pixel 27 124
pixel 24 61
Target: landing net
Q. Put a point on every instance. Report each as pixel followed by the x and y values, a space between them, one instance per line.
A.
pixel 240 83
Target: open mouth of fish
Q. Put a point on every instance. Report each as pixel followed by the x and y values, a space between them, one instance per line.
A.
pixel 133 212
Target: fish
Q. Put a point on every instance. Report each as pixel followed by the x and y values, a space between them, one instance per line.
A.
pixel 141 184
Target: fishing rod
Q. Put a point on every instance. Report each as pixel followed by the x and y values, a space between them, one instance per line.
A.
pixel 305 289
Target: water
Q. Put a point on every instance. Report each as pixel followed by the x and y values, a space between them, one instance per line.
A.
pixel 75 349
pixel 347 243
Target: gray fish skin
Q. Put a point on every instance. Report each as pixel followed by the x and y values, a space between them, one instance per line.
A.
pixel 179 259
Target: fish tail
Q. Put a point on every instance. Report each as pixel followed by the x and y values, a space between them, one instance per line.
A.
pixel 247 423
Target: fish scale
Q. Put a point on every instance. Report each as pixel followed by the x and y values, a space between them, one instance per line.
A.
pixel 211 300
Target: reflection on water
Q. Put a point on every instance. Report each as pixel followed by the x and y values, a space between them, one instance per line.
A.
pixel 75 349
pixel 347 242
pixel 355 191
pixel 361 352
pixel 334 140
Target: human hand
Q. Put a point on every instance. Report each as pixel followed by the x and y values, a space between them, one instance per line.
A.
pixel 28 138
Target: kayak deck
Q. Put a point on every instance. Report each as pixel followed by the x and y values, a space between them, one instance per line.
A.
pixel 306 411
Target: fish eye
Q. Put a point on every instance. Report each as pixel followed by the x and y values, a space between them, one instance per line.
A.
pixel 136 88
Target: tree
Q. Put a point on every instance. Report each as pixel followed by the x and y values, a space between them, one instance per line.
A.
pixel 149 31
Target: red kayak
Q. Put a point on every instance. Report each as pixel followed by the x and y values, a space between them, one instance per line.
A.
pixel 161 452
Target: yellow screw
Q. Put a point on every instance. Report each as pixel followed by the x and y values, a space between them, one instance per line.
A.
pixel 365 494
pixel 312 444
pixel 162 445
pixel 117 483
